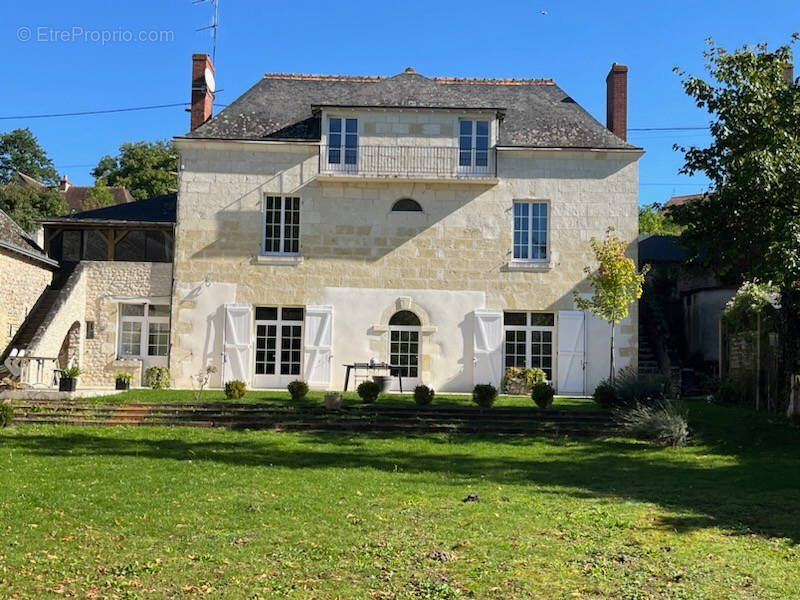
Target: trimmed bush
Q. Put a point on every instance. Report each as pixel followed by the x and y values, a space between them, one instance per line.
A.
pixel 605 395
pixel 6 414
pixel 234 390
pixel 484 395
pixel 157 378
pixel 663 423
pixel 423 395
pixel 542 394
pixel 298 389
pixel 368 391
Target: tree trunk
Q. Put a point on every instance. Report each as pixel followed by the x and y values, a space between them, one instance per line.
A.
pixel 611 362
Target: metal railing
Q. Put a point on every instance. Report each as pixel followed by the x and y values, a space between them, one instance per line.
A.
pixel 434 162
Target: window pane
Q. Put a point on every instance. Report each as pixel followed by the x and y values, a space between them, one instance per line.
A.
pixel 158 339
pixel 482 128
pixel 515 318
pixel 543 319
pixel 466 128
pixel 132 310
pixel 351 126
pixel 158 310
pixel 335 125
pixel 130 338
pixel 292 314
pixel 266 313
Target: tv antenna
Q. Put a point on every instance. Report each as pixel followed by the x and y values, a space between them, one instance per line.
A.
pixel 213 27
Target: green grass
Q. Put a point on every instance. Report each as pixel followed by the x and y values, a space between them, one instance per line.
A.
pixel 189 513
pixel 317 398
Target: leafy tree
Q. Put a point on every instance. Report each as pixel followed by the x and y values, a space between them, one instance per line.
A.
pixel 26 204
pixel 616 284
pixel 146 169
pixel 20 151
pixel 653 219
pixel 748 225
pixel 98 196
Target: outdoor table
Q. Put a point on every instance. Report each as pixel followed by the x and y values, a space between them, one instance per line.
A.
pixel 393 371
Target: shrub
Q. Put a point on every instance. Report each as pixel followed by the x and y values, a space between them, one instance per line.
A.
pixel 605 395
pixel 662 422
pixel 423 395
pixel 6 414
pixel 157 378
pixel 298 389
pixel 633 388
pixel 234 390
pixel 126 377
pixel 72 372
pixel 368 391
pixel 484 395
pixel 542 394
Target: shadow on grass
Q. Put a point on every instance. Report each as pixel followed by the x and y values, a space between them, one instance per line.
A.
pixel 743 475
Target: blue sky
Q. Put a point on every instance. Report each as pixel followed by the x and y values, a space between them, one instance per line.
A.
pixel 574 43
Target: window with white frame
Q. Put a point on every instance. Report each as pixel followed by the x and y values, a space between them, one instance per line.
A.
pixel 530 231
pixel 342 141
pixel 529 341
pixel 281 225
pixel 473 144
pixel 143 330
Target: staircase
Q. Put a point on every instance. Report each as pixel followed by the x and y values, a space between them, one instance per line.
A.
pixel 355 418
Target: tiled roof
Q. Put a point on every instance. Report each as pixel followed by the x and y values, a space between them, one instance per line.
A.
pixel 681 200
pixel 14 238
pixel 23 179
pixel 75 194
pixel 160 209
pixel 537 112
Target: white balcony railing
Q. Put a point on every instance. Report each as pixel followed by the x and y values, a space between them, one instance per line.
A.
pixel 433 162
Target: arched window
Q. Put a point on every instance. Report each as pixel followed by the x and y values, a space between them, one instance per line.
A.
pixel 406 205
pixel 405 317
pixel 404 345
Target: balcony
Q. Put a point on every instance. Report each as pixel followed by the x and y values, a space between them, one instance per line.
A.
pixel 413 163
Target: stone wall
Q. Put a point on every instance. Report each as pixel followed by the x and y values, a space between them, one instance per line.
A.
pixel 22 281
pixel 461 242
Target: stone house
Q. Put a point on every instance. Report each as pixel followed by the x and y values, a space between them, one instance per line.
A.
pixel 107 307
pixel 438 225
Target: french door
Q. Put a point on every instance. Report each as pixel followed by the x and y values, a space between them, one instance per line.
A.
pixel 279 346
pixel 404 355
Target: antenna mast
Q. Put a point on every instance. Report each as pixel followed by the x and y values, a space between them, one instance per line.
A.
pixel 213 27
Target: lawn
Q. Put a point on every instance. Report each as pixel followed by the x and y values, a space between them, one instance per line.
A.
pixel 273 397
pixel 168 513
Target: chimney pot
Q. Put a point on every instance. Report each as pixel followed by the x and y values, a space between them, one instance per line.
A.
pixel 617 101
pixel 202 97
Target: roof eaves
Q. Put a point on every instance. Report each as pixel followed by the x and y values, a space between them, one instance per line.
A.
pixel 29 253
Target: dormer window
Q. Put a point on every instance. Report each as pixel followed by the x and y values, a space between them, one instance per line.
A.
pixel 473 144
pixel 342 141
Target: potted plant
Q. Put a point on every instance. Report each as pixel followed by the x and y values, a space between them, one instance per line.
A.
pixel 122 381
pixel 382 381
pixel 333 401
pixel 69 379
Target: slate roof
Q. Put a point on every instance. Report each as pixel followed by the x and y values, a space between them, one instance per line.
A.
pixel 660 248
pixel 160 209
pixel 537 112
pixel 14 239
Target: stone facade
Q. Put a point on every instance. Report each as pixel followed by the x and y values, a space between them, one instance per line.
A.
pixel 22 281
pixel 361 258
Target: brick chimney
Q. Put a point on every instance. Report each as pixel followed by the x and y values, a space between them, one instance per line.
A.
pixel 202 90
pixel 65 183
pixel 617 101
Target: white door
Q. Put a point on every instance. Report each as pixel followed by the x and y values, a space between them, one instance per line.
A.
pixel 279 346
pixel 317 348
pixel 571 352
pixel 236 343
pixel 487 347
pixel 404 354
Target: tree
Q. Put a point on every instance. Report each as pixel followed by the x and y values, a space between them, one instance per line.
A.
pixel 654 219
pixel 26 204
pixel 98 196
pixel 20 151
pixel 748 225
pixel 616 284
pixel 146 169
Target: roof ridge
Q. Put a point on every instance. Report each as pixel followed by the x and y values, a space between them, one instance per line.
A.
pixel 318 77
pixel 445 80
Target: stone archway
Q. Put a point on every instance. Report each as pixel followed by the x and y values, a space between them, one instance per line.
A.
pixel 70 347
pixel 426 329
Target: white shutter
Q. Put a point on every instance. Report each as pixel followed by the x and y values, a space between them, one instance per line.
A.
pixel 318 344
pixel 488 347
pixel 571 351
pixel 236 343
